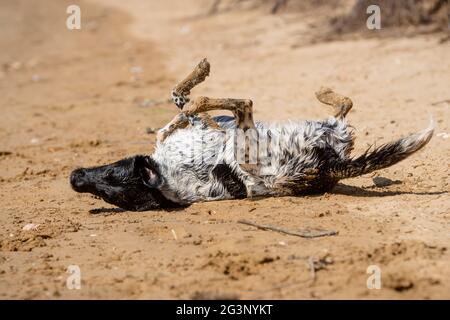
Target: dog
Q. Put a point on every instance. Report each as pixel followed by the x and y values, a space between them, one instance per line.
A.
pixel 201 158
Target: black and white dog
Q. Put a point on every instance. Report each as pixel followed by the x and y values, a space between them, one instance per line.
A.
pixel 198 158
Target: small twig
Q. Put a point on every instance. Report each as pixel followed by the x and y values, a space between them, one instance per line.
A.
pixel 152 103
pixel 441 101
pixel 5 153
pixel 301 233
pixel 445 38
pixel 174 234
pixel 214 7
pixel 278 4
pixel 312 269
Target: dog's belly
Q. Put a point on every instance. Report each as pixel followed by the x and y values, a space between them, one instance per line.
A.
pixel 202 164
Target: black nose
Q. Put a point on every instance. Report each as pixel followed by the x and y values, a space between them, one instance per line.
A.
pixel 77 180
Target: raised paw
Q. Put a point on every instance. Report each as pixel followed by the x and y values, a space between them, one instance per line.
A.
pixel 179 100
pixel 340 103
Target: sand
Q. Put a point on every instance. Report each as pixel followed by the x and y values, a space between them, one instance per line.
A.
pixel 86 97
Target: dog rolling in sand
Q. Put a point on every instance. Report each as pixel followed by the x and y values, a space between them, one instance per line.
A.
pixel 201 158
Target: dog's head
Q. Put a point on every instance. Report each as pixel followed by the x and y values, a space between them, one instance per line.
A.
pixel 130 184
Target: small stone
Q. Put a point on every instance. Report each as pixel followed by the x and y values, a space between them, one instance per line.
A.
pixel 185 30
pixel 16 65
pixel 36 78
pixel 32 63
pixel 383 182
pixel 92 25
pixel 30 226
pixel 136 70
pixel 150 130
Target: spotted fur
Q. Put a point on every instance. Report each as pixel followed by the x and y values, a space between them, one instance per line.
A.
pixel 198 163
pixel 307 157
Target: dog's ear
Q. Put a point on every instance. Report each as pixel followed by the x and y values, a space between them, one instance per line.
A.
pixel 148 171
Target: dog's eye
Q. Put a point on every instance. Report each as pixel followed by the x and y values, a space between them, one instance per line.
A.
pixel 109 175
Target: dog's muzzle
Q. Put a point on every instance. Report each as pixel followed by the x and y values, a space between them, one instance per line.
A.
pixel 78 180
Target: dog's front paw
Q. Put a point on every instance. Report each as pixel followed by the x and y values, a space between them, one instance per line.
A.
pixel 179 100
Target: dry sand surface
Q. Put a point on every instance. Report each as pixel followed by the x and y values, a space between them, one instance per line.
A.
pixel 86 97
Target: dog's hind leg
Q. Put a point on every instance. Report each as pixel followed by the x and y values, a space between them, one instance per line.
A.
pixel 340 103
pixel 341 106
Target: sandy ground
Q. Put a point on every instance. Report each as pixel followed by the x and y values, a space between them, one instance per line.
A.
pixel 85 97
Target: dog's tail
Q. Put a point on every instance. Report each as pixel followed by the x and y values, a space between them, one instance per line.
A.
pixel 383 156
